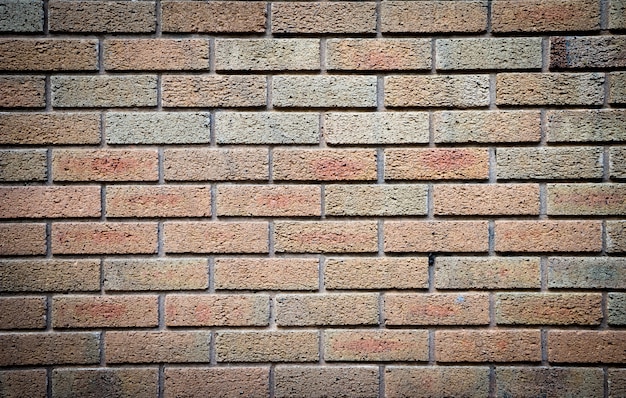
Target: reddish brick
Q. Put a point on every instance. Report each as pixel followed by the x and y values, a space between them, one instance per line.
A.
pixel 315 17
pixel 586 272
pixel 22 239
pixel 213 17
pixel 436 236
pixel 49 128
pixel 23 165
pixel 436 381
pixel 157 347
pixel 378 54
pixel 437 164
pixel 327 309
pixel 266 274
pixel 462 91
pixel 49 202
pixel 376 273
pixel 213 91
pixel 22 313
pixel 481 199
pixel 433 16
pixel 548 236
pixel 587 52
pixel 216 382
pixel 102 16
pixel 488 345
pixel 549 88
pixel 104 238
pixel 548 309
pixel 48 54
pixel 104 311
pixel 164 274
pixel 267 346
pixel 271 200
pixel 376 345
pixel 324 164
pixel 195 164
pixel 586 199
pixel 326 236
pixel 156 54
pixel 549 382
pixel 616 236
pixel 50 276
pixel 487 273
pixel 326 381
pixel 217 310
pixel 436 309
pixel 49 348
pixel 216 237
pixel 158 201
pixel 106 382
pixel 23 383
pixel 577 346
pixel 22 91
pixel 105 165
pixel 545 15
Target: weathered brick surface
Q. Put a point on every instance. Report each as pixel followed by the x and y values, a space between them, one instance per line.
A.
pixel 22 313
pixel 552 381
pixel 266 128
pixel 217 310
pixel 100 311
pixel 486 126
pixel 22 239
pixel 437 164
pixel 216 17
pixel 49 348
pixel 548 236
pixel 49 275
pixel 213 91
pixel 324 164
pixel 586 273
pixel 586 199
pixel 251 382
pixel 158 201
pixel 545 15
pixel 23 165
pixel 326 236
pixel 157 128
pixel 487 273
pixel 268 200
pixel 315 381
pixel 21 16
pixel 617 88
pixel 570 346
pixel 459 91
pixel 549 89
pixel 167 274
pixel 586 125
pixel 616 382
pixel 102 16
pixel 548 309
pixel 434 16
pixel 104 238
pixel 104 165
pixel 375 200
pixel 156 54
pixel 378 54
pixel 376 273
pixel 616 236
pixel 203 164
pixel 48 54
pixel 375 345
pixel 492 53
pixel 617 162
pixel 330 309
pixel 330 91
pixel 480 199
pixel 617 15
pixel 376 128
pixel 123 383
pixel 436 236
pixel 587 52
pixel 266 274
pixel 154 347
pixel 104 91
pixel 49 128
pixel 549 163
pixel 436 309
pixel 18 383
pixel 311 18
pixel 49 202
pixel 215 237
pixel 22 92
pixel 616 306
pixel 266 346
pixel 488 345
pixel 264 54
pixel 428 382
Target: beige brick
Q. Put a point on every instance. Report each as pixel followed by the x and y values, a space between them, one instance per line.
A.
pixel 616 308
pixel 486 126
pixel 163 274
pixel 49 128
pixel 545 15
pixel 548 236
pixel 549 163
pixel 548 309
pixel 375 345
pixel 376 273
pixel 268 200
pixel 579 52
pixel 23 165
pixel 518 345
pixel 617 16
pixel 549 89
pixel 217 310
pixel 48 54
pixel 616 236
pixel 104 311
pixel 577 346
pixel 586 125
pixel 433 16
pixel 461 91
pixel 617 88
pixel 267 346
pixel 330 91
pixel 123 383
pixel 436 309
pixel 586 199
pixel 332 309
pixel 487 273
pixel 489 53
pixel 551 381
pixel 20 383
pixel 326 381
pixel 156 54
pixel 104 91
pixel 216 237
pixel 586 272
pixel 22 239
pixel 267 54
pixel 49 348
pixel 437 381
pixel 204 164
pixel 102 16
pixel 22 91
pixel 104 238
pixel 617 162
pixel 22 313
pixel 158 201
pixel 21 16
pixel 49 202
pixel 378 54
pixel 266 128
pixel 326 236
pixel 266 274
pixel 482 199
pixel 375 200
pixel 157 128
pixel 104 165
pixel 436 164
pixel 214 16
pixel 157 347
pixel 315 17
pixel 226 382
pixel 436 236
pixel 208 91
pixel 376 128
pixel 49 275
pixel 324 164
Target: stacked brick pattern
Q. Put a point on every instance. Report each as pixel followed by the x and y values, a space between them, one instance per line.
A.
pixel 290 199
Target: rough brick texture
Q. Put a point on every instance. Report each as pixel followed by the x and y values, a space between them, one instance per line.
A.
pixel 314 381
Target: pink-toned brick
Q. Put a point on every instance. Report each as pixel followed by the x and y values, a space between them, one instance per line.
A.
pixel 266 273
pixel 436 309
pixel 324 164
pixel 437 164
pixel 49 202
pixel 104 238
pixel 216 237
pixel 436 236
pixel 378 54
pixel 105 165
pixel 158 201
pixel 22 239
pixel 104 311
pixel 376 345
pixel 217 310
pixel 272 201
pixel 586 199
pixel 326 236
pixel 548 236
pixel 488 345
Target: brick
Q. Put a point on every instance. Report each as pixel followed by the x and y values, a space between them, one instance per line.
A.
pixel 616 308
pixel 213 17
pixel 203 164
pixel 486 126
pixel 331 91
pixel 616 383
pixel 376 273
pixel 439 382
pixel 266 274
pixel 157 128
pixel 158 201
pixel 326 381
pixel 49 202
pixel 123 383
pixel 615 236
pixel 232 382
pixel 545 15
pixel 580 52
pixel 156 347
pixel 164 274
pixel 436 236
pixel 102 16
pixel 50 276
pixel 481 199
pixel 48 54
pixel 104 165
pixel 267 346
pixel 491 53
pixel 156 54
pixel 22 239
pixel 23 165
pixel 460 91
pixel 586 125
pixel 20 383
pixel 326 236
pixel 104 91
pixel 488 345
pixel 617 15
pixel 49 128
pixel 328 309
pixel 551 163
pixel 550 89
pixel 22 91
pixel 21 16
pixel 49 348
pixel 548 309
pixel 104 238
pixel 487 273
pixel 216 237
pixel 217 310
pixel 316 18
pixel 569 346
pixel 586 199
pixel 548 236
pixel 617 88
pixel 433 16
pixel 23 313
pixel 213 91
pixel 104 311
pixel 375 345
pixel 549 381
pixel 617 162
pixel 437 164
pixel 586 272
pixel 436 309
pixel 268 200
pixel 266 128
pixel 378 54
pixel 376 128
pixel 375 200
pixel 324 164
pixel 267 54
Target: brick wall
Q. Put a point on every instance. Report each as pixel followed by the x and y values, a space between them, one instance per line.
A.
pixel 335 198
